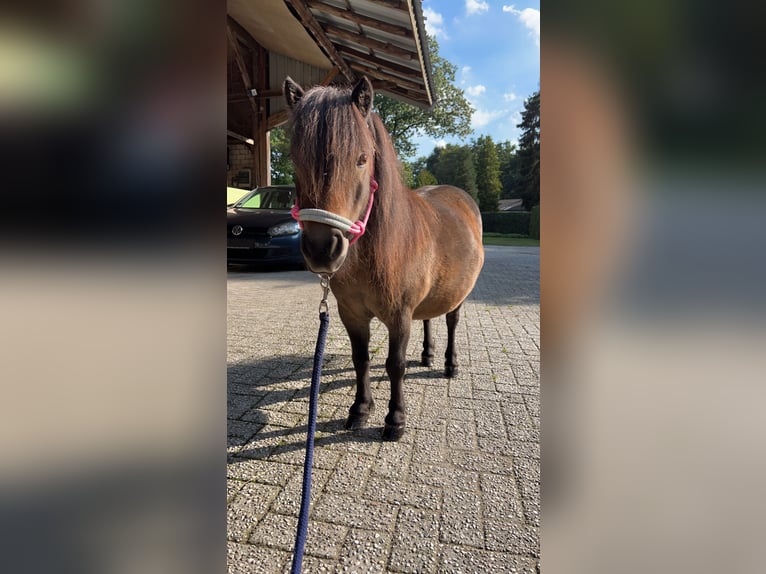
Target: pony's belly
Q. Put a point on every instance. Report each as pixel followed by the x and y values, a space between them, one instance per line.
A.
pixel 440 305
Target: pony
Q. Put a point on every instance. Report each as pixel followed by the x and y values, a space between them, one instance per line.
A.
pixel 410 255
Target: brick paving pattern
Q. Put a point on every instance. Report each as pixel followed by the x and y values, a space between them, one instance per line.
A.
pixel 459 493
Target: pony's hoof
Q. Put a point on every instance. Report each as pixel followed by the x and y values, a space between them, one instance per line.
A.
pixel 450 371
pixel 393 432
pixel 426 361
pixel 355 422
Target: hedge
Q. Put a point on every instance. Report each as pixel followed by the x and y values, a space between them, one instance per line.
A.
pixel 506 222
pixel 534 222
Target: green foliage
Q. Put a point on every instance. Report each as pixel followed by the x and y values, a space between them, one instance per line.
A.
pixel 509 170
pixel 425 177
pixel 408 176
pixel 506 222
pixel 513 240
pixel 487 173
pixel 281 164
pixel 534 222
pixel 454 165
pixel 450 114
pixel 529 151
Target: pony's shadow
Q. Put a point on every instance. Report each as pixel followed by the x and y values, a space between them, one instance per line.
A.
pixel 256 386
pixel 249 403
pixel 331 432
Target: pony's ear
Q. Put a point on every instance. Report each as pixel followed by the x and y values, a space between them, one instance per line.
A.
pixel 362 95
pixel 293 92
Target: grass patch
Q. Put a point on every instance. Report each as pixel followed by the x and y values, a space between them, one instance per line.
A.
pixel 513 239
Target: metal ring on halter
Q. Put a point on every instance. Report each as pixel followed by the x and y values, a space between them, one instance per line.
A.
pixel 324 283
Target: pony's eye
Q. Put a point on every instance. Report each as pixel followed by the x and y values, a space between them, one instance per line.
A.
pixel 362 160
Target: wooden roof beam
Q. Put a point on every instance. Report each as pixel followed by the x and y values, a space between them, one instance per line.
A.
pixel 385 47
pixel 234 44
pixel 375 61
pixel 374 73
pixel 300 8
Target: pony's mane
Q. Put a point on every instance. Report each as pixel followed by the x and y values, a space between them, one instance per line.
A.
pixel 397 227
pixel 326 119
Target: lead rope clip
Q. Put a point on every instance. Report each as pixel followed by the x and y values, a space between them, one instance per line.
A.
pixel 324 283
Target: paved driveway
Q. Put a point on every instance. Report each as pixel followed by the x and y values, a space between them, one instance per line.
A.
pixel 459 493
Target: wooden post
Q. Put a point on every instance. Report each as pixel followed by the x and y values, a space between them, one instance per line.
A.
pixel 261 149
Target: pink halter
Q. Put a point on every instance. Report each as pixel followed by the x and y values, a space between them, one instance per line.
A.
pixel 355 228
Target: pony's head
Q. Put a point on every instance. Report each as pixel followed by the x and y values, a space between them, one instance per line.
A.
pixel 333 151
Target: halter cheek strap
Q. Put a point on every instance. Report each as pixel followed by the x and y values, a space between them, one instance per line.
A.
pixel 355 228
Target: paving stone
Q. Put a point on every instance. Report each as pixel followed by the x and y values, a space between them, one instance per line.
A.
pixel 250 559
pixel 350 474
pixel 232 488
pixel 278 531
pixel 503 536
pixel 462 559
pixel 364 552
pixel 461 520
pixel 261 471
pixel 289 499
pixel 415 543
pixel 495 461
pixel 527 472
pixel 444 475
pixel 393 460
pixel 400 492
pixel 249 505
pixel 354 511
pixel 461 434
pixel 501 498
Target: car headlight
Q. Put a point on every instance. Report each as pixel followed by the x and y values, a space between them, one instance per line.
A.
pixel 289 228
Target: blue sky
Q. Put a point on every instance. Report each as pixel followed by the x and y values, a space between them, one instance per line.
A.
pixel 495 45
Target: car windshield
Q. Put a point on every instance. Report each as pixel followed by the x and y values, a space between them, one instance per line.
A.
pixel 268 198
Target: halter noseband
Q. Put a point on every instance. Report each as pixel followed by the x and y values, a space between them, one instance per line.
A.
pixel 355 228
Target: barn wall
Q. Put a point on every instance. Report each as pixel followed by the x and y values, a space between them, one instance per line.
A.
pixel 281 66
pixel 240 158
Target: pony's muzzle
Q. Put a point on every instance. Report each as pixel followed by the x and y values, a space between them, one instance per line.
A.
pixel 324 247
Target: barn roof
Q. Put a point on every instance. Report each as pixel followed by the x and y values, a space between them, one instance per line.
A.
pixel 382 39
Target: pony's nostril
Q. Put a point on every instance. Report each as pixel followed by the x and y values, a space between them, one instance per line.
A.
pixel 336 246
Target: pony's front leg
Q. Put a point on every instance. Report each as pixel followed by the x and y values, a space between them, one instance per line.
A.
pixel 359 333
pixel 398 338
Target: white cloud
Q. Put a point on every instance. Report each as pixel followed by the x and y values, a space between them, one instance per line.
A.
pixel 529 17
pixel 475 90
pixel 510 97
pixel 434 23
pixel 465 69
pixel 481 118
pixel 441 143
pixel 475 7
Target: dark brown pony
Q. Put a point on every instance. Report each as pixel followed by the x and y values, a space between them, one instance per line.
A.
pixel 419 257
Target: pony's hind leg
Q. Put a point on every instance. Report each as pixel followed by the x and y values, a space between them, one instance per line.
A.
pixel 364 406
pixel 450 363
pixel 427 356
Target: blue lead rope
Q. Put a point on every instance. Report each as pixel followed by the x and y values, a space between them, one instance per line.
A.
pixel 303 517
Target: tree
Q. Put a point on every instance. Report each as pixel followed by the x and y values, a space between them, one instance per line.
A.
pixel 281 164
pixel 509 169
pixel 454 165
pixel 450 114
pixel 487 173
pixel 425 177
pixel 529 151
